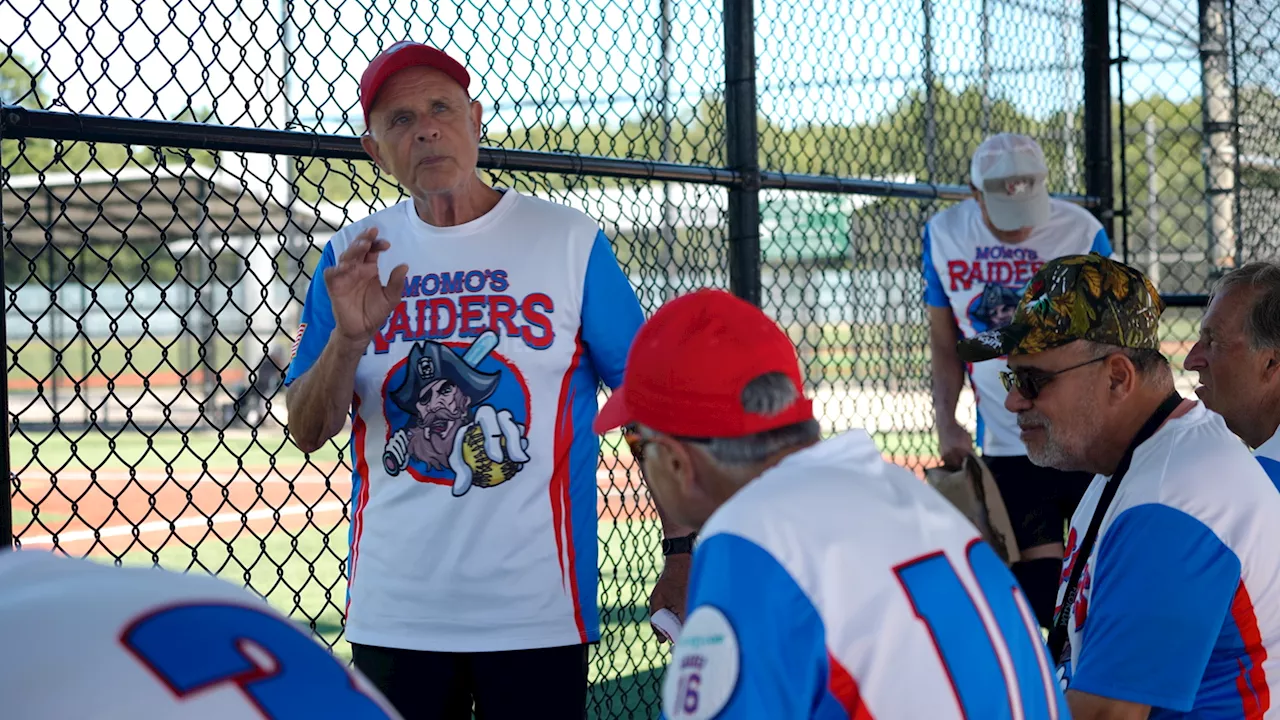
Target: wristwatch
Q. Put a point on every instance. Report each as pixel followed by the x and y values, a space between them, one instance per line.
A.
pixel 679 545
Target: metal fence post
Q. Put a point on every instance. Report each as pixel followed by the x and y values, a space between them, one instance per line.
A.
pixel 742 148
pixel 1219 121
pixel 1098 152
pixel 6 489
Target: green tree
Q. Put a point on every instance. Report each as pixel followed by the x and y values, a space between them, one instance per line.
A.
pixel 20 85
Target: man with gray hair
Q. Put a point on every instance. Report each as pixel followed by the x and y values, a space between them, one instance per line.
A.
pixel 1238 358
pixel 1170 601
pixel 826 581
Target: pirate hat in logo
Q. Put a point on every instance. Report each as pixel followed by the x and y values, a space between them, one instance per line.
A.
pixel 995 297
pixel 429 361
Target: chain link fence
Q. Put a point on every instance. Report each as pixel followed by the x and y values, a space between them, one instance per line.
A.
pixel 172 171
pixel 1196 147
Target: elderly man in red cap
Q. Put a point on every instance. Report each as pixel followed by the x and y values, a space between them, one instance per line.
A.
pixel 826 582
pixel 464 331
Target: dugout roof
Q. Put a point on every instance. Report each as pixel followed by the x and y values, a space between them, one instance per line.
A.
pixel 149 205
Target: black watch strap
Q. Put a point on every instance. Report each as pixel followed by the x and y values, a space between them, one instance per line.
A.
pixel 678 545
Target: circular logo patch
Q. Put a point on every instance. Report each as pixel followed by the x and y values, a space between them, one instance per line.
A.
pixel 704 667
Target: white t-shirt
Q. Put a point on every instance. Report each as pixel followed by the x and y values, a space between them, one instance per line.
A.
pixel 981 279
pixel 1268 454
pixel 838 585
pixel 508 325
pixel 87 640
pixel 1179 604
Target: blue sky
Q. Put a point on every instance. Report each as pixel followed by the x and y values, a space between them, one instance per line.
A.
pixel 537 60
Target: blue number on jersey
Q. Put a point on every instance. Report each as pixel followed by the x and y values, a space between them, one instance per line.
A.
pixel 192 647
pixel 964 641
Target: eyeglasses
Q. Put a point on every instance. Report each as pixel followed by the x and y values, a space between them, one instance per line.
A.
pixel 1029 382
pixel 637 442
pixel 631 434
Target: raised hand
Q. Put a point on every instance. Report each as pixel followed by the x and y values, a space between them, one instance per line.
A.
pixel 361 303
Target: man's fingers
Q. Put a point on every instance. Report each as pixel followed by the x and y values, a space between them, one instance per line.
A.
pixel 359 247
pixel 375 248
pixel 395 284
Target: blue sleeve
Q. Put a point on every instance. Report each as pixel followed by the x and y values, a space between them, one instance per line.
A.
pixel 1102 244
pixel 783 669
pixel 934 294
pixel 611 314
pixel 1273 469
pixel 1161 591
pixel 317 321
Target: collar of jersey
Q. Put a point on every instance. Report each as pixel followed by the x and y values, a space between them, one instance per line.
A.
pixel 509 198
pixel 1271 448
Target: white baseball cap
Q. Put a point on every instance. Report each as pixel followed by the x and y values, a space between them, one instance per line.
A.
pixel 1010 172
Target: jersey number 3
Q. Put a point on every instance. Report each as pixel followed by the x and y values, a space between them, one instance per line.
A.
pixel 967 645
pixel 194 647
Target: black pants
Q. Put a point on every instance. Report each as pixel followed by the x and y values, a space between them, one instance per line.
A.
pixel 547 682
pixel 1040 501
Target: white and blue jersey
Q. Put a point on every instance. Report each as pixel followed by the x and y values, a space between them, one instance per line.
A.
pixel 508 325
pixel 87 640
pixel 1178 606
pixel 981 279
pixel 836 585
pixel 1268 455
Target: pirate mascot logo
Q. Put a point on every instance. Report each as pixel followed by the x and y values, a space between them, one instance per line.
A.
pixel 449 427
pixel 994 307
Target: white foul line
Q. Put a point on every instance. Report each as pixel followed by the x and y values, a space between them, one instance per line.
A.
pixel 186 522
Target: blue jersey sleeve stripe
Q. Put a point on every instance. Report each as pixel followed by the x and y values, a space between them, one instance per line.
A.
pixel 1102 244
pixel 1272 468
pixel 584 454
pixel 611 314
pixel 784 667
pixel 317 321
pixel 1161 588
pixel 934 294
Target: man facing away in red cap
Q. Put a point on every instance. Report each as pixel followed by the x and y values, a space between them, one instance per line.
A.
pixel 826 582
pixel 465 331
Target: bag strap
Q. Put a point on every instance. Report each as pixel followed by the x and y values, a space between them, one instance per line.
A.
pixel 1058 633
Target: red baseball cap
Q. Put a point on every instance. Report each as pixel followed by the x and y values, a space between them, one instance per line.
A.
pixel 690 362
pixel 402 55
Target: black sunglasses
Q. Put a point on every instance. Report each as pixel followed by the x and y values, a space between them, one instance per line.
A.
pixel 1030 381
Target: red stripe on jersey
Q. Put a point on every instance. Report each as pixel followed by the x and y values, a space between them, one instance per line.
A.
pixel 1251 683
pixel 845 690
pixel 358 429
pixel 561 516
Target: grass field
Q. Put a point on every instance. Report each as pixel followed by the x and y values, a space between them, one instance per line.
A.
pixel 94 449
pixel 117 357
